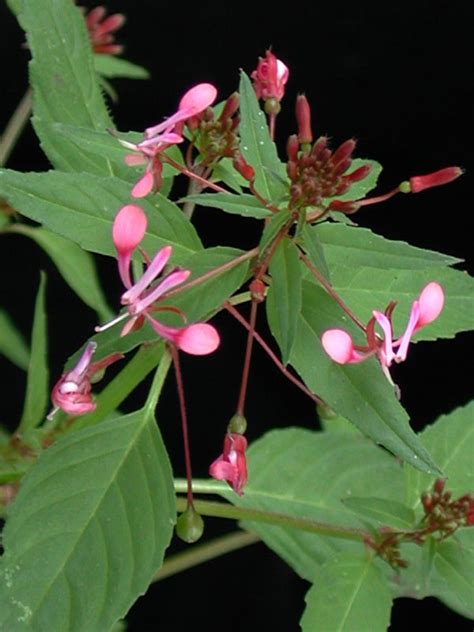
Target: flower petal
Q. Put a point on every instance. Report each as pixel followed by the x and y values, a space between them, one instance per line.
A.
pixel 431 302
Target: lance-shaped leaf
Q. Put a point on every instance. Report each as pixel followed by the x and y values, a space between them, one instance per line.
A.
pixel 311 242
pixel 83 210
pixel 355 247
pixel 88 529
pixel 76 266
pixel 272 229
pixel 258 148
pixel 349 595
pixel 284 296
pixel 12 343
pixel 37 394
pixel 64 80
pixel 366 289
pixel 245 204
pixel 382 512
pixel 360 392
pixel 111 67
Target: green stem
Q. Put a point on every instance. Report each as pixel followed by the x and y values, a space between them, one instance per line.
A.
pixel 204 552
pixel 223 510
pixel 158 381
pixel 14 127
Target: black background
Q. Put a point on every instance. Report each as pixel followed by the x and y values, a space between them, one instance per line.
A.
pixel 398 79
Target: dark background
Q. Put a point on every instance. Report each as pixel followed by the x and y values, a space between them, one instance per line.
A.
pixel 397 79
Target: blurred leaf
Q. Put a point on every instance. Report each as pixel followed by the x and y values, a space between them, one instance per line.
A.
pixel 111 66
pixel 83 210
pixel 78 554
pixel 244 204
pixel 355 247
pixel 350 595
pixel 75 265
pixel 37 391
pixel 387 513
pixel 225 172
pixel 311 242
pixel 358 392
pixel 12 343
pixel 284 295
pixel 258 148
pixel 64 80
pixel 310 474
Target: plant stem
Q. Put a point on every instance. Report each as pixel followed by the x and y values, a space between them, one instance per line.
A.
pixel 14 127
pixel 158 381
pixel 223 510
pixel 231 309
pixel 247 359
pixel 194 176
pixel 204 552
pixel 330 290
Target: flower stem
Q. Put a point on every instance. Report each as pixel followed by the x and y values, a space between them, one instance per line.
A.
pixel 247 359
pixel 205 552
pixel 223 510
pixel 194 176
pixel 329 289
pixel 14 127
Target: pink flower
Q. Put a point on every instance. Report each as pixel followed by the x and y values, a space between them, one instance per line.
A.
pixel 72 393
pixel 140 298
pixel 270 77
pixel 231 465
pixel 101 30
pixel 161 136
pixel 339 346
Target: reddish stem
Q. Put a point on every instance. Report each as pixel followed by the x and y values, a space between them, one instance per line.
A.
pixel 378 198
pixel 272 126
pixel 248 357
pixel 262 200
pixel 205 183
pixel 184 422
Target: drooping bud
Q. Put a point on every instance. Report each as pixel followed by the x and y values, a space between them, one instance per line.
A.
pixel 257 290
pixel 243 167
pixel 231 465
pixel 303 118
pixel 435 179
pixel 292 147
pixel 231 106
pixel 190 525
pixel 270 77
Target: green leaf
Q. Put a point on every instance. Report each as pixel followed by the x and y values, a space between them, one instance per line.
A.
pixel 258 148
pixel 12 343
pixel 88 529
pixel 308 474
pixel 37 393
pixel 244 204
pixel 358 392
pixel 272 229
pixel 451 442
pixel 384 512
pixel 111 66
pixel 366 289
pixel 355 247
pixel 284 296
pixel 350 595
pixel 225 172
pixel 64 80
pixel 83 210
pixel 312 245
pixel 360 189
pixel 76 266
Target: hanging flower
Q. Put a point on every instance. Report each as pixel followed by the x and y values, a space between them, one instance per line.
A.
pixel 141 298
pixel 339 346
pixel 270 77
pixel 231 465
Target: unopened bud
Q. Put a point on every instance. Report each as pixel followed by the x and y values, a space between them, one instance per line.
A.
pixel 242 166
pixel 303 118
pixel 439 485
pixel 257 290
pixel 435 179
pixel 343 152
pixel 190 525
pixel 360 173
pixel 344 207
pixel 292 147
pixel 426 502
pixel 231 106
pixel 237 424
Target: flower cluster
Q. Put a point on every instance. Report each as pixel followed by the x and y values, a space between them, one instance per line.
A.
pixel 159 137
pixel 339 346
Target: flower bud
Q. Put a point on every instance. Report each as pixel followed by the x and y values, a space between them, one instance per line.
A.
pixel 257 290
pixel 242 166
pixel 435 179
pixel 303 118
pixel 189 526
pixel 292 147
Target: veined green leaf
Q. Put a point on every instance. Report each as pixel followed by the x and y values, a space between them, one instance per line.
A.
pixel 350 595
pixel 272 229
pixel 12 343
pixel 37 393
pixel 243 204
pixel 88 529
pixel 83 210
pixel 284 296
pixel 64 80
pixel 225 172
pixel 386 513
pixel 111 66
pixel 258 148
pixel 76 266
pixel 312 245
pixel 355 247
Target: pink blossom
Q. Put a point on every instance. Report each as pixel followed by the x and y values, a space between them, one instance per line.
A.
pixel 159 137
pixel 339 346
pixel 231 465
pixel 270 77
pixel 141 298
pixel 72 393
